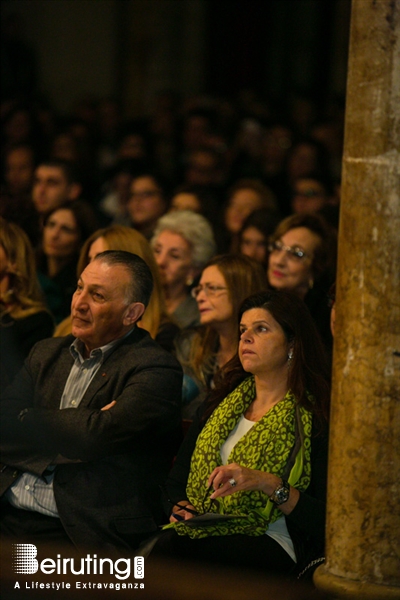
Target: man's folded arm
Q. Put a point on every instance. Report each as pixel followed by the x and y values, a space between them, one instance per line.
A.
pixel 148 406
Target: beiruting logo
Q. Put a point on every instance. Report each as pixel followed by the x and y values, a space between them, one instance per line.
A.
pixel 24 562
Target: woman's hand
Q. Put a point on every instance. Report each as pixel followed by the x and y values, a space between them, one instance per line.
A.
pixel 242 478
pixel 110 405
pixel 180 514
pixel 221 480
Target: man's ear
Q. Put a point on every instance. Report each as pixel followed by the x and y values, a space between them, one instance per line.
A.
pixel 74 191
pixel 133 313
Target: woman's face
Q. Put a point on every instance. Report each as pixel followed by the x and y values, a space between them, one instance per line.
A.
pixel 254 244
pixel 241 204
pixel 173 256
pixel 61 237
pixel 215 306
pixel 263 347
pixel 287 271
pixel 99 245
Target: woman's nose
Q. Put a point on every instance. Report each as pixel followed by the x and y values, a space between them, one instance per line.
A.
pixel 279 256
pixel 246 336
pixel 160 259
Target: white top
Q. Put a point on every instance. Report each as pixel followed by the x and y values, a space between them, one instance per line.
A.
pixel 277 530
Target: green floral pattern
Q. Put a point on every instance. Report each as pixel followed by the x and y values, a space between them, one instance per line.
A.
pixel 266 447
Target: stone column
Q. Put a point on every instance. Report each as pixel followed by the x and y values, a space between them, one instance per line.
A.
pixel 363 521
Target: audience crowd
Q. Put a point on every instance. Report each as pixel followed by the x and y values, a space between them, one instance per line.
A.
pixel 222 201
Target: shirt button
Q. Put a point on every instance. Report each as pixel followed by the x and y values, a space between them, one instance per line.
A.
pixel 84 369
pixel 27 487
pixel 73 402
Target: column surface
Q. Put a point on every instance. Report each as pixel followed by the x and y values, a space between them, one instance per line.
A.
pixel 363 518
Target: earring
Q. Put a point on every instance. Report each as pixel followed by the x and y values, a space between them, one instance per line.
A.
pixel 311 283
pixel 290 355
pixel 189 280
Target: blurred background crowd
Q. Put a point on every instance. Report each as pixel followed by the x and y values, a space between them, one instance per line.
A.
pixel 241 159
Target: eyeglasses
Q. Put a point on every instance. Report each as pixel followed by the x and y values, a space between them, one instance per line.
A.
pixel 208 288
pixel 293 251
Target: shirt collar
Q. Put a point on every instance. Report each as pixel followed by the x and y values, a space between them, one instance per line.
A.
pixel 76 348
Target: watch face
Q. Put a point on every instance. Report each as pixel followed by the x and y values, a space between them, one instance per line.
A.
pixel 281 494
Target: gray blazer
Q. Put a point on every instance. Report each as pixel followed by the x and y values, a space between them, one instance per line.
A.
pixel 109 463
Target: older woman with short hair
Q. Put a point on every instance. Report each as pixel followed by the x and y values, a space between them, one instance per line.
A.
pixel 183 243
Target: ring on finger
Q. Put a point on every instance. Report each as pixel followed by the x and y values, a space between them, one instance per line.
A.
pixel 232 482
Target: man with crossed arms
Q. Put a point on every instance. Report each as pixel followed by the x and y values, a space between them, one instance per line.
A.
pixel 91 423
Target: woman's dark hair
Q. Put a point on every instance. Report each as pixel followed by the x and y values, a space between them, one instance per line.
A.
pixel 86 223
pixel 308 375
pixel 85 217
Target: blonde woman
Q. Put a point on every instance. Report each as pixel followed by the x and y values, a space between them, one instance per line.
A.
pixel 117 237
pixel 24 318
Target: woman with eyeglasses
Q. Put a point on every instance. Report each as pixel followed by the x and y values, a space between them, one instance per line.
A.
pixel 224 283
pixel 248 486
pixel 302 260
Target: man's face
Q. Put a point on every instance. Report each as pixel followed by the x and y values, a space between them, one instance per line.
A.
pixel 100 310
pixel 50 188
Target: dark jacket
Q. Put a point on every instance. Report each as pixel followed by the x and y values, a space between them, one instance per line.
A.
pixel 107 490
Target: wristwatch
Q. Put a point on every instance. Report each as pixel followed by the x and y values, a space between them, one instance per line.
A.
pixel 281 494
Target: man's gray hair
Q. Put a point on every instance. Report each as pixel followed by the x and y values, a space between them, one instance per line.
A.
pixel 141 284
pixel 195 229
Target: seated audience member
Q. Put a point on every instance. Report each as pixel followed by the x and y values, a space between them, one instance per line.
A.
pixel 55 182
pixel 19 168
pixel 24 318
pixel 244 197
pixel 310 194
pixel 225 281
pixel 113 204
pixel 117 237
pixel 183 243
pixel 302 260
pixel 256 454
pixel 304 157
pixel 195 198
pixel 205 168
pixel 255 233
pixel 16 204
pixel 88 427
pixel 147 203
pixel 65 228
